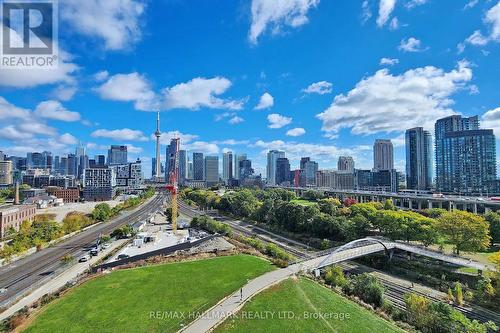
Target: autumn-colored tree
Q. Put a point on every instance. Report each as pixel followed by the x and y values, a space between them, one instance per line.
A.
pixel 464 230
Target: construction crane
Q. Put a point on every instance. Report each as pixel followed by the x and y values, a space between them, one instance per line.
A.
pixel 173 175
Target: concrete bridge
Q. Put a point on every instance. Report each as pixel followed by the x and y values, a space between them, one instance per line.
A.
pixel 407 200
pixel 366 246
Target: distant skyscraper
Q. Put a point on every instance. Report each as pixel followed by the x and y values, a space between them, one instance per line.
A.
pixel 418 159
pixel 465 156
pixel 72 165
pixel 272 157
pixel 309 171
pixel 198 166
pixel 157 167
pixel 117 155
pixel 383 155
pixel 237 160
pixel 2 156
pixel 227 166
pixel 345 163
pixel 303 162
pixel 211 170
pixel 282 171
pixel 100 160
pixel 245 169
pixel 173 159
pixel 183 165
pixel 6 173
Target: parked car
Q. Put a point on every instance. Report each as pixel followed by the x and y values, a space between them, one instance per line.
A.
pixel 85 258
pixel 3 290
pixel 105 245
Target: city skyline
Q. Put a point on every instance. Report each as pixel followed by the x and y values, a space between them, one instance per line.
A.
pixel 99 94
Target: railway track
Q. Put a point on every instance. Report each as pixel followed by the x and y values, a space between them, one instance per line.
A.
pixel 393 291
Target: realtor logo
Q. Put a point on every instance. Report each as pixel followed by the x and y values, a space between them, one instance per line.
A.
pixel 29 36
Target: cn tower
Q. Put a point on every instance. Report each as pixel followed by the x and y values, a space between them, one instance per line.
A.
pixel 158 161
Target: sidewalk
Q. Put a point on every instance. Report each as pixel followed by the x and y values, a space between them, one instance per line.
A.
pixel 231 304
pixel 58 282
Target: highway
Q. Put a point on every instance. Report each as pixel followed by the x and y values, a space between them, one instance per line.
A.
pixel 20 277
pixel 395 288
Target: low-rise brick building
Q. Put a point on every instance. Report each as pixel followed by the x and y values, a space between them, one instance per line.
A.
pixel 11 216
pixel 68 195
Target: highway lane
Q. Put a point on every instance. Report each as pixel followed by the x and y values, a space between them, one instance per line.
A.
pixel 19 276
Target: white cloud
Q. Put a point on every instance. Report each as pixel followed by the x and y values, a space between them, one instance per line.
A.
pixel 201 146
pixel 64 92
pixel 414 3
pixel 277 14
pixel 471 4
pixel 366 12
pixel 200 92
pixel 236 120
pixel 321 88
pixel 384 11
pixel 388 61
pixel 411 45
pixel 278 121
pixel 37 128
pixel 68 139
pixel 296 132
pixel 232 142
pixel 117 22
pixel 266 101
pixel 131 87
pixel 167 136
pixel 394 25
pixel 391 103
pixel 12 133
pixel 491 119
pixel 101 76
pixel 477 38
pixel 8 110
pixel 492 20
pixel 133 149
pixel 55 110
pixel 120 134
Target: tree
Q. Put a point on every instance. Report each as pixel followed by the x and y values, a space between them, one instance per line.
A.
pixel 389 205
pixel 101 212
pixel 334 276
pixel 417 308
pixel 493 220
pixel 458 294
pixel 329 206
pixel 368 288
pixel 466 231
pixel 312 195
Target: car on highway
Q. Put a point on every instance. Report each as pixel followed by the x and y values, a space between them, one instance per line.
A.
pixel 85 258
pixel 123 256
pixel 94 251
pixel 105 245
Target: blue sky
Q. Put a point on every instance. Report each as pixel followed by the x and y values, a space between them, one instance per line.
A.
pixel 312 77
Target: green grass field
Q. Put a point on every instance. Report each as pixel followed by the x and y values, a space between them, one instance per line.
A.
pixel 303 202
pixel 302 297
pixel 124 301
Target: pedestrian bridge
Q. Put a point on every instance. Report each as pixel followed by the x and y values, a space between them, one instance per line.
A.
pixel 366 246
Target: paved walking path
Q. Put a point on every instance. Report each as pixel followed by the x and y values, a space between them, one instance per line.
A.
pixel 58 282
pixel 231 304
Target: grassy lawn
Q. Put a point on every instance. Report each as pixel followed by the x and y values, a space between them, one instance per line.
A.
pixel 123 301
pixel 303 202
pixel 300 297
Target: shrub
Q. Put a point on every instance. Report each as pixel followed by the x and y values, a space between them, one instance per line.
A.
pixel 334 276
